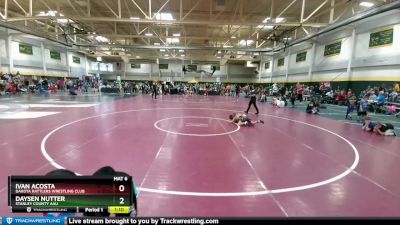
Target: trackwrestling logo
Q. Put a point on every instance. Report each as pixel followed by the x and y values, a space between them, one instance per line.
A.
pixel 32 220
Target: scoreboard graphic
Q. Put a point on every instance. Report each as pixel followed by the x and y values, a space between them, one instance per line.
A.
pixel 81 194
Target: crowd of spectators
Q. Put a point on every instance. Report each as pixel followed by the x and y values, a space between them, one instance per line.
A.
pixel 371 100
pixel 11 84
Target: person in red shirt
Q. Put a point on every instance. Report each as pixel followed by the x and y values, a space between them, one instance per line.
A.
pixel 61 84
pixel 237 90
pixel 300 91
pixel 341 98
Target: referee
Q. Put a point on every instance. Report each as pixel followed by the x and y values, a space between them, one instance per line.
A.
pixel 253 100
pixel 155 89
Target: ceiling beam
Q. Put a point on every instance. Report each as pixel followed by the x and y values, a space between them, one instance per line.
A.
pixel 323 12
pixel 195 5
pixel 210 11
pixel 158 36
pixel 272 11
pixel 305 31
pixel 23 10
pixel 180 9
pixel 139 35
pixel 341 14
pixel 74 8
pixel 88 7
pixel 135 26
pixel 5 9
pixel 119 9
pixel 175 22
pixel 45 4
pixel 303 6
pixel 30 8
pixel 161 8
pixel 332 11
pixel 140 9
pixel 315 11
pixel 205 48
pixel 109 8
pixel 287 7
pixel 149 8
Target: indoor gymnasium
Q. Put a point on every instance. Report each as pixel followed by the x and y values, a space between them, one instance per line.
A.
pixel 206 108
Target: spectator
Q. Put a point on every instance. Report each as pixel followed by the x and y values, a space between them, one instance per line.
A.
pixel 380 101
pixel 397 88
pixel 292 98
pixel 351 107
pixel 300 91
pixel 341 97
pixel 362 108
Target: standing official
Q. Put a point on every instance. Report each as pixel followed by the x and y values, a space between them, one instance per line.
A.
pixel 253 100
pixel 154 87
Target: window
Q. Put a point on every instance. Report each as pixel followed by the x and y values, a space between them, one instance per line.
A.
pixel 106 67
pixel 95 66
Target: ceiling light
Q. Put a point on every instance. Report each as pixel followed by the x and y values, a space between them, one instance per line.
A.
pixel 176 35
pixel 181 50
pixel 265 26
pixel 156 43
pixel 219 52
pixel 52 13
pixel 138 57
pixel 98 59
pixel 227 46
pixel 172 40
pixel 166 55
pixel 101 39
pixel 134 18
pixel 366 4
pixel 148 34
pixel 266 19
pixel 218 57
pixel 182 55
pixel 49 13
pixel 233 37
pixel 279 19
pixel 246 42
pixel 162 50
pixel 164 16
pixel 63 21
